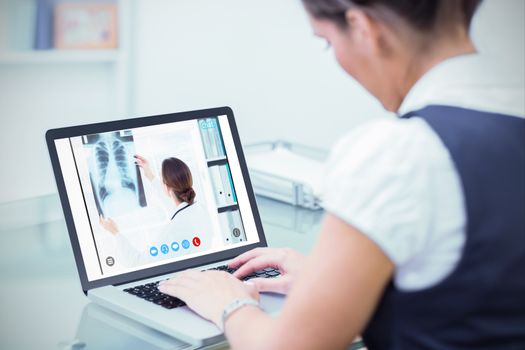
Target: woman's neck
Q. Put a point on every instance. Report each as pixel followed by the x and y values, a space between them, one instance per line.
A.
pixel 419 64
pixel 176 201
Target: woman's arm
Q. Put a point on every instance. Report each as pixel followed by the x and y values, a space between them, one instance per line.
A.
pixel 330 303
pixel 143 163
pixel 155 182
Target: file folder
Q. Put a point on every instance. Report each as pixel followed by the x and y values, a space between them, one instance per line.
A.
pixel 231 224
pixel 211 138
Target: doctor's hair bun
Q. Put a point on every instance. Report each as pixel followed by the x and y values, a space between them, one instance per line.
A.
pixel 177 176
pixel 187 196
pixel 423 15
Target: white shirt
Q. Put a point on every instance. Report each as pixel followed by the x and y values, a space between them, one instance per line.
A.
pixel 395 179
pixel 189 222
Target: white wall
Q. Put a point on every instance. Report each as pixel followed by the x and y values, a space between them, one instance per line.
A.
pixel 258 57
pixel 499 30
pixel 261 58
pixel 34 99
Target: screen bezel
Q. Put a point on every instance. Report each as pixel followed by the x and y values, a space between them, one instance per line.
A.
pixel 67 132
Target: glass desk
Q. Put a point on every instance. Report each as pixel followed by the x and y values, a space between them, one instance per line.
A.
pixel 41 301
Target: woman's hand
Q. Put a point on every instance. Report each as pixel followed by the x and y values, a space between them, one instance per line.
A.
pixel 144 164
pixel 286 260
pixel 208 292
pixel 108 224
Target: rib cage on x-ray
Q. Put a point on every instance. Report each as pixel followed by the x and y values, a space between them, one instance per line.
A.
pixel 107 149
pixel 121 158
pixel 119 153
pixel 102 159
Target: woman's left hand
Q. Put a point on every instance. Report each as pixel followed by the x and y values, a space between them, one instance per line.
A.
pixel 208 292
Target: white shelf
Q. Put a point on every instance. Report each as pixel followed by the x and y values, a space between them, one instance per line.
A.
pixel 59 56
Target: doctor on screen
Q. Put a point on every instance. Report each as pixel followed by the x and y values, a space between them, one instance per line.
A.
pixel 188 229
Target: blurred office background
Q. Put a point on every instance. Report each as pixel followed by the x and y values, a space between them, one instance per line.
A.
pixel 259 57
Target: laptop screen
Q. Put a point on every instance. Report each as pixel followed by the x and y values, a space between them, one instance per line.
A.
pixel 154 195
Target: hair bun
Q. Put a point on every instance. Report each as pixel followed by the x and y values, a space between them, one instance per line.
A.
pixel 187 196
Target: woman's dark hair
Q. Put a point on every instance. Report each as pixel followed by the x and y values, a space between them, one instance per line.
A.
pixel 177 176
pixel 424 15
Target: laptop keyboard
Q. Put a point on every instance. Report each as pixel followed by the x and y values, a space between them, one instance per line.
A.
pixel 151 293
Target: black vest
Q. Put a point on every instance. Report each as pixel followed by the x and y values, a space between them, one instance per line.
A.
pixel 481 304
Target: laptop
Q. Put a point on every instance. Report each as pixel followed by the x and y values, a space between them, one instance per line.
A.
pixel 128 230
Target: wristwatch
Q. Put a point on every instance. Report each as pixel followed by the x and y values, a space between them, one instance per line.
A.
pixel 236 305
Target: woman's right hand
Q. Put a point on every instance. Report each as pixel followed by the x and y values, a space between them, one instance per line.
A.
pixel 144 164
pixel 286 260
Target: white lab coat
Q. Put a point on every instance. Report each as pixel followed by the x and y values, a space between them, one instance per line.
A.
pixel 189 223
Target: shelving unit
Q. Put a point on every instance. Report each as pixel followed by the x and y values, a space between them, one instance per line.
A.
pixel 221 181
pixel 44 89
pixel 228 208
pixel 59 56
pixel 49 59
pixel 217 161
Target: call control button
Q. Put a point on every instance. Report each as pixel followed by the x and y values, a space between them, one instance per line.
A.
pixel 164 249
pixel 153 251
pixel 196 241
pixel 185 244
pixel 175 246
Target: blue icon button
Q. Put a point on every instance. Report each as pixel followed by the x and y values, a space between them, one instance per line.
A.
pixel 175 246
pixel 185 244
pixel 164 249
pixel 153 251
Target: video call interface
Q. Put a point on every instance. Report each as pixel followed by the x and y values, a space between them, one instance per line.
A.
pixel 127 214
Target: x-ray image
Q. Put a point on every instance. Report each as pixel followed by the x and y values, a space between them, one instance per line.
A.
pixel 115 177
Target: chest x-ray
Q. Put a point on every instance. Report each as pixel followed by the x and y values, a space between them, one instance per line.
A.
pixel 115 178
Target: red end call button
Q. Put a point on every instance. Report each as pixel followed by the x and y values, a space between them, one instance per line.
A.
pixel 196 241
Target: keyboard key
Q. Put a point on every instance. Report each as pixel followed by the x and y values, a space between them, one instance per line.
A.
pixel 150 292
pixel 155 297
pixel 180 303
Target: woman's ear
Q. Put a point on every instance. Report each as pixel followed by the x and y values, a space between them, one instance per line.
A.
pixel 364 31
